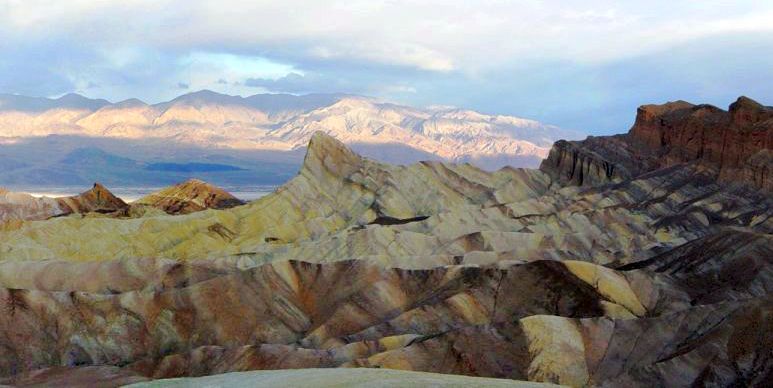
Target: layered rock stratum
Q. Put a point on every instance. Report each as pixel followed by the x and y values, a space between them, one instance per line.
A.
pixel 188 197
pixel 624 261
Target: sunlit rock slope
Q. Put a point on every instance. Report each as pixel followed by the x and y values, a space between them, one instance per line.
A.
pixel 188 197
pixel 22 206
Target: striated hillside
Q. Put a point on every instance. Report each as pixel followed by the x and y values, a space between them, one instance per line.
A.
pixel 621 262
pixel 190 196
pixel 284 123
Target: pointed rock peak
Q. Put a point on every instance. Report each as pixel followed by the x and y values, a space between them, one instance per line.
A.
pixel 206 93
pixel 195 182
pixel 206 96
pixel 130 103
pixel 75 97
pixel 647 112
pixel 194 187
pixel 320 138
pixel 98 199
pixel 99 194
pixel 354 102
pixel 76 101
pixel 744 102
pixel 746 111
pixel 327 153
pixel 72 97
pixel 190 196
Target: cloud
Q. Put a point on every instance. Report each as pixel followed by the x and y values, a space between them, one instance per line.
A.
pixel 299 83
pixel 342 80
pixel 182 85
pixel 580 64
pixel 602 99
pixel 435 35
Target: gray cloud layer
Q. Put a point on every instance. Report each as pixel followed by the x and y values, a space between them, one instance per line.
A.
pixel 583 65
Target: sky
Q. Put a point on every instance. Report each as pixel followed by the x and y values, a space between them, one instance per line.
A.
pixel 583 65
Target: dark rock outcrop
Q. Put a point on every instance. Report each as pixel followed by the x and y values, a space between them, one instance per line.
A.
pixel 579 163
pixel 736 143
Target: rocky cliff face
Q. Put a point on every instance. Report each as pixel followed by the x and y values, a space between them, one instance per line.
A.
pixel 682 132
pixel 736 143
pixel 662 277
pixel 580 163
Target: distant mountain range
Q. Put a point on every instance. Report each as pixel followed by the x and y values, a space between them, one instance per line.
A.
pixel 264 133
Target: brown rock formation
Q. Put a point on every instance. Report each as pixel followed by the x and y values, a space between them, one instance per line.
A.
pixel 737 143
pixel 99 200
pixel 22 206
pixel 188 197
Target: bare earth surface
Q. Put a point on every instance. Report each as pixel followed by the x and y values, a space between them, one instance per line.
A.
pixel 323 378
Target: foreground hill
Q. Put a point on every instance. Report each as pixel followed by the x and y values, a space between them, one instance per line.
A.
pixel 621 262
